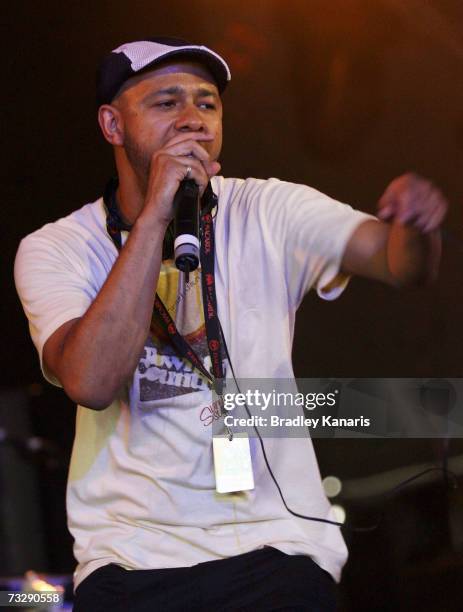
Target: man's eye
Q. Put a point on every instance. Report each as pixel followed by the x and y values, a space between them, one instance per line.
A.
pixel 207 105
pixel 166 104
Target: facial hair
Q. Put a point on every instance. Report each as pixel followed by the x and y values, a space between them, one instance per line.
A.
pixel 140 160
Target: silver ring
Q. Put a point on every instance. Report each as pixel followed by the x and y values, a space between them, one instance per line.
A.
pixel 188 173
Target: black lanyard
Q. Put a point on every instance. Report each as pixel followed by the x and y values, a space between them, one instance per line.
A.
pixel 115 225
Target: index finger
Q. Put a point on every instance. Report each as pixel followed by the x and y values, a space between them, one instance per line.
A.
pixel 187 148
pixel 198 136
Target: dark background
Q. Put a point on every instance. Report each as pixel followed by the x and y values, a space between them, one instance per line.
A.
pixel 341 95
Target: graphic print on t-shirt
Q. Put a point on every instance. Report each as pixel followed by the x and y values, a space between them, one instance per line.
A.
pixel 161 373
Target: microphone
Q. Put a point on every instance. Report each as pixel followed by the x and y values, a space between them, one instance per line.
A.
pixel 186 227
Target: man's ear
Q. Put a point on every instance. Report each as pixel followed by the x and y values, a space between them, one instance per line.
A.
pixel 111 124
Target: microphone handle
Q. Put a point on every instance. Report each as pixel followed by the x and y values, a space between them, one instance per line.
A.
pixel 186 226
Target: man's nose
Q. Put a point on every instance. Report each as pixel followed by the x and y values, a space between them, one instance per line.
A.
pixel 189 119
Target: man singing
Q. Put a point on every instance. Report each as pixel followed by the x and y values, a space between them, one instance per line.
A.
pixel 137 345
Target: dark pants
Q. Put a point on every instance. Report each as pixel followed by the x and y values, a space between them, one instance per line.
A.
pixel 258 581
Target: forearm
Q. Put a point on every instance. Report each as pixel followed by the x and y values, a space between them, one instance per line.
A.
pixel 413 257
pixel 101 351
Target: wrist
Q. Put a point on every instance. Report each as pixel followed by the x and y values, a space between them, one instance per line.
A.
pixel 149 232
pixel 155 224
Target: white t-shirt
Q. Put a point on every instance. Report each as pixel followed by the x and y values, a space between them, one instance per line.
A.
pixel 141 489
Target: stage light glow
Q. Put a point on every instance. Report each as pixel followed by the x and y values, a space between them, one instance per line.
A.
pixel 332 486
pixel 339 513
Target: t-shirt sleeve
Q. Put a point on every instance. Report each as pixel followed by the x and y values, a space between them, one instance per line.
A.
pixel 52 285
pixel 311 231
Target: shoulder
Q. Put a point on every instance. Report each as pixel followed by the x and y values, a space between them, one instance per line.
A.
pixel 72 242
pixel 82 222
pixel 70 234
pixel 278 200
pixel 271 190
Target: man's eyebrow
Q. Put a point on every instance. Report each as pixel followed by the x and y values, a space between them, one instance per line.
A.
pixel 174 90
pixel 203 92
pixel 169 91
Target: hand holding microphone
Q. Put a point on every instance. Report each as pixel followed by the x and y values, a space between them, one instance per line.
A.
pixel 179 174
